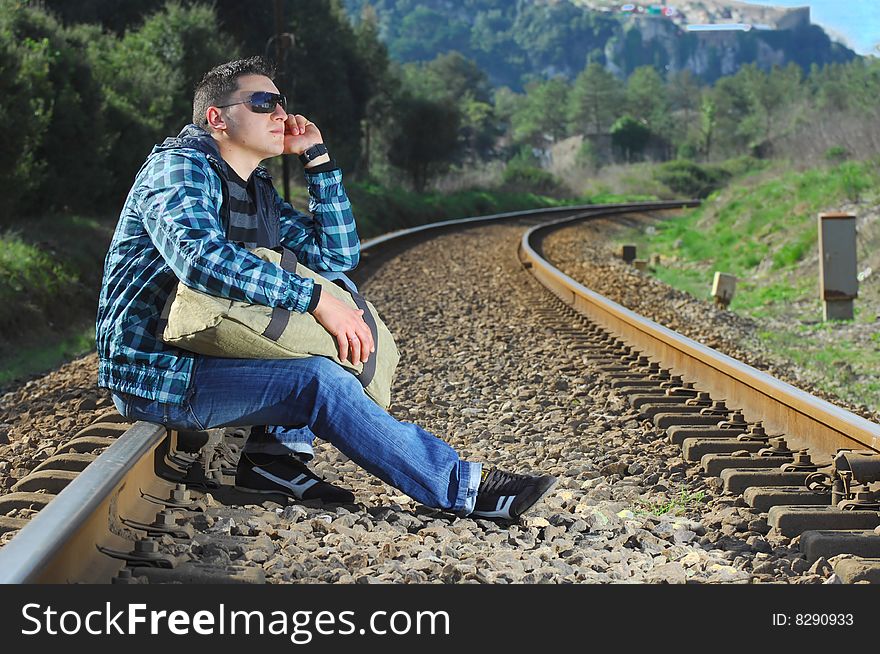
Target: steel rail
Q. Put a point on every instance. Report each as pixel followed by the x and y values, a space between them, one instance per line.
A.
pixel 30 556
pixel 805 419
pixel 384 239
pixel 57 545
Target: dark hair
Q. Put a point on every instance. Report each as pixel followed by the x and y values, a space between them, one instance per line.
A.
pixel 221 81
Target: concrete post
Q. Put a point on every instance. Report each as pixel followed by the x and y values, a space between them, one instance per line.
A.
pixel 838 283
pixel 723 288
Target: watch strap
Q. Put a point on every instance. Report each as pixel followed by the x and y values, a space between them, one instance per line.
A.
pixel 313 153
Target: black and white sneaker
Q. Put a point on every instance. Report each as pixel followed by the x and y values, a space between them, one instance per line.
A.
pixel 266 473
pixel 507 496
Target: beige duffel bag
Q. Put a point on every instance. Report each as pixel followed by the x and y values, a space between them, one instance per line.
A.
pixel 214 326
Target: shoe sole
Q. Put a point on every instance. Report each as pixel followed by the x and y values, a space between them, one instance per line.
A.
pixel 256 491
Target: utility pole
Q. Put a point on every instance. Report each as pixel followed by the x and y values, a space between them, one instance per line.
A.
pixel 280 45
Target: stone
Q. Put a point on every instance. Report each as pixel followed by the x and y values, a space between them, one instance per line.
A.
pixel 683 536
pixel 690 560
pixel 725 573
pixel 293 513
pixel 821 567
pixel 799 566
pixel 535 521
pixel 669 573
pixel 256 556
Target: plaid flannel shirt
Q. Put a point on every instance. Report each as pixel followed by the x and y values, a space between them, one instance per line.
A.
pixel 169 230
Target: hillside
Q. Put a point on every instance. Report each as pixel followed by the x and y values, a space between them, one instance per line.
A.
pixel 514 41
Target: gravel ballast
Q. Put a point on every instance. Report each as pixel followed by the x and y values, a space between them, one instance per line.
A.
pixel 484 369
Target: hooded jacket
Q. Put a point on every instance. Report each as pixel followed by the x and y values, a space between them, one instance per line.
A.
pixel 173 227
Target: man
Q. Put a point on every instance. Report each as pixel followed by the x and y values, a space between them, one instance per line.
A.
pixel 197 204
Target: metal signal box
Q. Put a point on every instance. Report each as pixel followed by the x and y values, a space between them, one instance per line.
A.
pixel 838 284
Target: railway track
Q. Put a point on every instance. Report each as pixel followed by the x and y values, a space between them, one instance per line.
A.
pixel 127 513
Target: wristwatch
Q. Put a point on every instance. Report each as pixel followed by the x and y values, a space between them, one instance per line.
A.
pixel 313 153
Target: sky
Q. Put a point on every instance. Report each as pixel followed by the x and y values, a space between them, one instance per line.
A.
pixel 857 21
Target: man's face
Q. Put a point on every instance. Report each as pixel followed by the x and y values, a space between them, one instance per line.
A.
pixel 262 134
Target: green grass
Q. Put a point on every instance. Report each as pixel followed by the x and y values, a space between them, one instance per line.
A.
pixel 50 273
pixel 677 505
pixel 35 359
pixel 763 229
pixel 50 267
pixel 838 366
pixel 689 280
pixel 753 225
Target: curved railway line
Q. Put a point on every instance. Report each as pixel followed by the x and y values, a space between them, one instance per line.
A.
pixel 134 503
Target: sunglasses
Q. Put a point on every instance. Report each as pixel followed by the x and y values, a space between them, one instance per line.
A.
pixel 261 102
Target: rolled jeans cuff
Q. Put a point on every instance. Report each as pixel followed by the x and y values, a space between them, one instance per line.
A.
pixel 303 451
pixel 469 474
pixel 280 440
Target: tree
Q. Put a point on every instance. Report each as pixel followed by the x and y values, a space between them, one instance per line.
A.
pixel 115 15
pixel 52 152
pixel 646 99
pixel 383 85
pixel 424 31
pixel 425 138
pixel 596 100
pixel 630 135
pixel 541 113
pixel 766 96
pixel 148 77
pixel 456 80
pixel 733 129
pixel 328 78
pixel 684 94
pixel 447 77
pixel 707 123
pixel 27 104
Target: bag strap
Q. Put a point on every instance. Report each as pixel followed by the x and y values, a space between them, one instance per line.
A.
pixel 369 371
pixel 280 318
pixel 280 315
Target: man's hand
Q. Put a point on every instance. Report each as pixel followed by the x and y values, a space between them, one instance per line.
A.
pixel 347 325
pixel 300 134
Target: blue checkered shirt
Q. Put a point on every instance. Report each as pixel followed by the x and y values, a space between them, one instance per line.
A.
pixel 170 229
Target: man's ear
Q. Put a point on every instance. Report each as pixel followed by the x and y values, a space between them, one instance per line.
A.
pixel 215 120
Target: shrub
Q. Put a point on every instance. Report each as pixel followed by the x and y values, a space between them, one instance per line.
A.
pixel 26 110
pixel 524 177
pixel 631 136
pixel 87 106
pixel 853 180
pixel 588 156
pixel 690 149
pixel 691 179
pixel 836 153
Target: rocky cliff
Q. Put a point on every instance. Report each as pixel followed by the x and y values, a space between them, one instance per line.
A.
pixel 516 40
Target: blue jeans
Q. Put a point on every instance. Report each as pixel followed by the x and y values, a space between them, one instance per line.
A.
pixel 321 394
pixel 296 439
